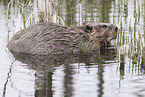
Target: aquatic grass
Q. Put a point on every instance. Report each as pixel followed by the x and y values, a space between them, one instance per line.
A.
pixel 23 3
pixel 138 10
pixel 22 7
pixel 139 43
pixel 58 13
pixel 8 34
pixel 121 2
pixel 134 7
pixel 123 38
pixel 131 41
pixel 129 65
pixel 118 39
pixel 132 71
pixel 121 33
pixel 86 12
pixel 92 17
pixel 121 28
pixel 79 14
pixel 130 29
pixel 126 38
pixel 134 44
pixel 119 11
pixel 114 21
pixel 85 17
pixel 135 32
pixel 129 51
pixel 46 14
pixel 8 8
pixel 30 17
pixel 9 74
pixel 24 21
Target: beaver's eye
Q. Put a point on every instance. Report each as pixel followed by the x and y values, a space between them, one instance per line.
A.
pixel 88 29
pixel 104 26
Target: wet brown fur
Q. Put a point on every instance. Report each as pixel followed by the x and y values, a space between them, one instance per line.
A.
pixel 46 38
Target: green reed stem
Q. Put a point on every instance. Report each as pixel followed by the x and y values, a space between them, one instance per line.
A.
pixel 79 15
pixel 138 10
pixel 123 38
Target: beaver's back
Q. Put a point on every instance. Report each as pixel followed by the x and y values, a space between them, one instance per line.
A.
pixel 44 38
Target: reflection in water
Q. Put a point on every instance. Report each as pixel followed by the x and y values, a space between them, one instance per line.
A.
pixel 7 79
pixel 143 60
pixel 121 70
pixel 46 65
pixel 68 80
pixel 122 61
pixel 44 85
pixel 101 80
pixel 129 14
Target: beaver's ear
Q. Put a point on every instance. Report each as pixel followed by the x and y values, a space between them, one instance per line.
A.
pixel 88 29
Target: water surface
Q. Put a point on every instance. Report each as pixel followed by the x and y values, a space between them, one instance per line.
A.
pixel 74 75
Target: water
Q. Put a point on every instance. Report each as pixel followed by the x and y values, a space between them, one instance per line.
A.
pixel 75 75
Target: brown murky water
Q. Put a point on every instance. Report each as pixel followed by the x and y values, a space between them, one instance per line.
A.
pixel 119 72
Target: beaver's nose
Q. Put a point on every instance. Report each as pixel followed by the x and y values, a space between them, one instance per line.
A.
pixel 116 29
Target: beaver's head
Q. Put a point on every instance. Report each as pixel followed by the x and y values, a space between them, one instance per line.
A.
pixel 101 32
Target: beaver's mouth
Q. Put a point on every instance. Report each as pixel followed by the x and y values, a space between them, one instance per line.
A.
pixel 110 38
pixel 106 43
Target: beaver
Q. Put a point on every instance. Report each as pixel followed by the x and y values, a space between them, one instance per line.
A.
pixel 46 38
